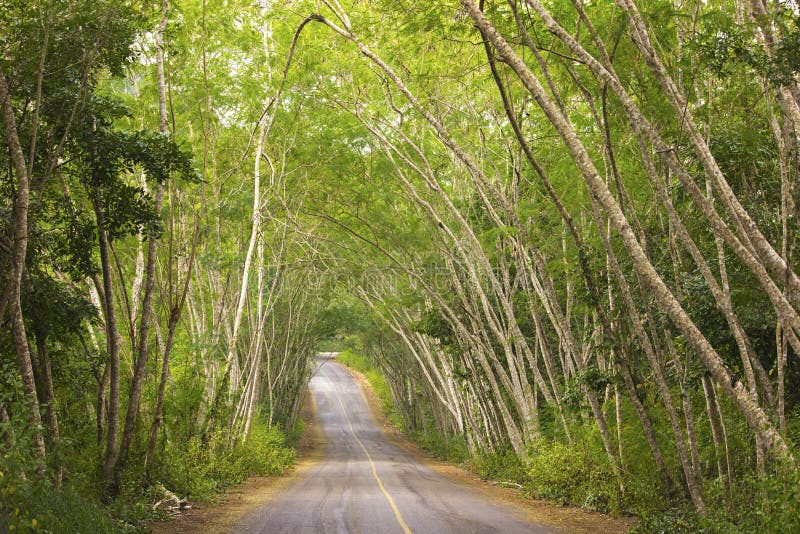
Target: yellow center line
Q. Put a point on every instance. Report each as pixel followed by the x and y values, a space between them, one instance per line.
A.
pixel 397 514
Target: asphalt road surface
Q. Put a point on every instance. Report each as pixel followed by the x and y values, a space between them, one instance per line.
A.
pixel 367 485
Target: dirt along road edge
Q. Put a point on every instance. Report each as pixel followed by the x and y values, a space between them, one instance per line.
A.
pixel 224 514
pixel 564 518
pixel 232 507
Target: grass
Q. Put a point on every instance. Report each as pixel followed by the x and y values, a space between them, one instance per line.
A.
pixel 579 473
pixel 448 448
pixel 376 380
pixel 199 472
pixel 190 470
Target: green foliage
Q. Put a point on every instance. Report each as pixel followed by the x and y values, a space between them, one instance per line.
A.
pixel 434 324
pixel 55 308
pixel 441 445
pixel 504 466
pixel 571 473
pixel 36 506
pixel 188 469
pixel 724 45
pixel 380 386
pixel 770 504
pixel 592 378
pixel 675 521
pixel 199 470
pixel 105 158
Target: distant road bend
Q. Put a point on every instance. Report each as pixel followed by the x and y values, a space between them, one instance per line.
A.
pixel 366 485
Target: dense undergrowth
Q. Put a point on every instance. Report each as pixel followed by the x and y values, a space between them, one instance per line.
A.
pixel 582 231
pixel 578 474
pixel 190 470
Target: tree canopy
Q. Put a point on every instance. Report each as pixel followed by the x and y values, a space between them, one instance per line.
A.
pixel 563 232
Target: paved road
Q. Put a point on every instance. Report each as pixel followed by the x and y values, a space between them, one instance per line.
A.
pixel 367 485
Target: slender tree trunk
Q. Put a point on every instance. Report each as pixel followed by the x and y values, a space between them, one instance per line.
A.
pixel 6 435
pixel 716 430
pixel 666 301
pixel 137 381
pixel 620 422
pixel 647 426
pixel 232 358
pixel 162 386
pixel 49 401
pixel 19 227
pixel 112 341
pixel 102 407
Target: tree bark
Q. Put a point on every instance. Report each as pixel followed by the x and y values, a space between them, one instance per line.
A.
pixel 142 345
pixel 112 342
pixel 49 400
pixel 665 300
pixel 19 228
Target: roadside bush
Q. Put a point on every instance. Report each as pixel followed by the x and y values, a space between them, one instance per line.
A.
pixel 36 506
pixel 198 472
pixel 445 447
pixel 355 360
pixel 263 453
pixel 32 504
pixel 569 474
pixel 674 521
pixel 752 505
pixel 503 466
pixel 769 504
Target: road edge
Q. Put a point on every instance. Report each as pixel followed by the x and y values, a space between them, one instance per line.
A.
pixel 563 518
pixel 234 505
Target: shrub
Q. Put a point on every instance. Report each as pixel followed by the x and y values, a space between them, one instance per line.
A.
pixel 504 466
pixel 36 506
pixel 569 474
pixel 769 504
pixel 445 447
pixel 198 471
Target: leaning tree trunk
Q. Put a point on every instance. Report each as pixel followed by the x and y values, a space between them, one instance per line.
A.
pixel 663 297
